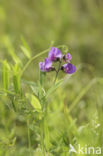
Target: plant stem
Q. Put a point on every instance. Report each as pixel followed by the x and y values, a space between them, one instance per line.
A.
pixel 42 137
pixel 57 72
pixel 29 140
pixel 44 131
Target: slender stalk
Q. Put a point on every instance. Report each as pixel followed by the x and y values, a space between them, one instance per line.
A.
pixel 42 137
pixel 44 133
pixel 57 71
pixel 29 140
pixel 56 77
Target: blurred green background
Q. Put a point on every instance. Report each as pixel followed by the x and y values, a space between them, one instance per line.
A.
pixel 78 24
pixel 43 23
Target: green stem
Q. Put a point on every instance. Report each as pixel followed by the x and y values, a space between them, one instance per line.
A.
pixel 57 72
pixel 44 131
pixel 29 140
pixel 42 137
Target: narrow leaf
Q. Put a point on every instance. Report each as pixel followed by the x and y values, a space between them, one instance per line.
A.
pixel 5 74
pixel 11 51
pixel 16 78
pixel 53 88
pixel 25 48
pixel 26 52
pixel 34 102
pixel 33 86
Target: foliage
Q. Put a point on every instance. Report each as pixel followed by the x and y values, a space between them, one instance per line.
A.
pixel 74 104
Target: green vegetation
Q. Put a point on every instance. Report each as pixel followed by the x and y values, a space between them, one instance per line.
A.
pixel 38 117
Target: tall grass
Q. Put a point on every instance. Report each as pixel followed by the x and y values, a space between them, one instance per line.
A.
pixel 38 117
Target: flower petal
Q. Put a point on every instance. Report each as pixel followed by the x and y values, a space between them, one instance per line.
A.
pixel 41 66
pixel 69 68
pixel 68 57
pixel 48 63
pixel 54 53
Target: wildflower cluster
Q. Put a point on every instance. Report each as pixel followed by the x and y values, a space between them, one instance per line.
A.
pixel 55 55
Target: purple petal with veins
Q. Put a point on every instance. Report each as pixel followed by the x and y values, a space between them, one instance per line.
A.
pixel 54 54
pixel 69 68
pixel 46 65
pixel 68 57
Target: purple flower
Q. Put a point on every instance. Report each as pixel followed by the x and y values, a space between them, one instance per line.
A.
pixel 69 68
pixel 54 54
pixel 67 57
pixel 45 66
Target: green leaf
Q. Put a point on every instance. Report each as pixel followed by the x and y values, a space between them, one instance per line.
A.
pixel 33 86
pixel 5 74
pixel 34 102
pixel 65 49
pixel 30 83
pixel 25 48
pixel 16 78
pixel 11 51
pixel 54 87
pixel 13 142
pixel 26 52
pixel 35 90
